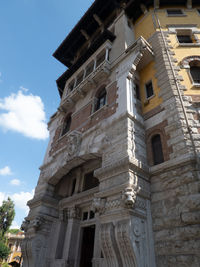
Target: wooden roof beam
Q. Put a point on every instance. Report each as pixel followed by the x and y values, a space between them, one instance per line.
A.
pixel 84 33
pixel 98 20
pixel 156 3
pixel 189 4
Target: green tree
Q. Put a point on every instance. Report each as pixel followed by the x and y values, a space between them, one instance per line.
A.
pixel 7 214
pixel 4 251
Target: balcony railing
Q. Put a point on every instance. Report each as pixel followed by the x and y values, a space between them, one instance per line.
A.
pixel 93 70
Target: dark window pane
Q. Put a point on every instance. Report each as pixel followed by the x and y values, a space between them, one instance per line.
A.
pixel 85 216
pixel 89 69
pixel 101 101
pixel 90 181
pixel 100 58
pixel 91 214
pixel 174 12
pixel 149 89
pixel 71 86
pixel 184 39
pixel 137 92
pixel 157 149
pixel 73 186
pixel 79 79
pixel 66 126
pixel 195 73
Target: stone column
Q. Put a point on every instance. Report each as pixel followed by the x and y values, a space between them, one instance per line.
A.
pixel 71 245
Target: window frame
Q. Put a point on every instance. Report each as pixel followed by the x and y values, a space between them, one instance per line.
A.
pixel 95 107
pixel 182 14
pixel 186 31
pixel 148 98
pixel 197 84
pixel 67 118
pixel 186 64
pixel 162 159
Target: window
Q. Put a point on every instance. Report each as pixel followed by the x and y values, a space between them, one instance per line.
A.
pixel 73 186
pixel 174 12
pixel 71 86
pixel 186 39
pixel 79 78
pixel 195 71
pixel 90 181
pixel 157 149
pixel 149 89
pixel 192 64
pixel 89 68
pixel 100 58
pixel 66 125
pixel 137 92
pixel 101 99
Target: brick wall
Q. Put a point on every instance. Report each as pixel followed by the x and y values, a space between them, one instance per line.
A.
pixel 84 119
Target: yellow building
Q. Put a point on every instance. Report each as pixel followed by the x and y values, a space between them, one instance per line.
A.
pixel 120 181
pixel 14 243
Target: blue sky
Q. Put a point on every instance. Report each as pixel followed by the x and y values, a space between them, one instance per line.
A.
pixel 30 31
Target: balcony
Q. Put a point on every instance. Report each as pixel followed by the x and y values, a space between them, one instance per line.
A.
pixel 95 69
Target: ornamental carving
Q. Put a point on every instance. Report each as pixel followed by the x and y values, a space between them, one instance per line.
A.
pixel 73 213
pixel 185 63
pixel 37 222
pixel 98 205
pixel 129 197
pixel 25 224
pixel 73 144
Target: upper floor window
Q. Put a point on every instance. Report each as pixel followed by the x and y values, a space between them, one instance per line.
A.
pixel 90 181
pixel 157 149
pixel 149 89
pixel 137 92
pixel 174 12
pixel 66 125
pixel 184 38
pixel 195 71
pixel 101 99
pixel 79 78
pixel 89 68
pixel 71 86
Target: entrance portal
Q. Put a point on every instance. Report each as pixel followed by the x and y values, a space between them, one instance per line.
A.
pixel 87 246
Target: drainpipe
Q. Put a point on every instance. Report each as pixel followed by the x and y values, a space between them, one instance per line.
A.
pixel 179 92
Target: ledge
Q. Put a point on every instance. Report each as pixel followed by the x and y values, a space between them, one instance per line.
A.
pixel 171 164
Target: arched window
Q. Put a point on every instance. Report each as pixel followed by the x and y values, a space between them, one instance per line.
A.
pixel 195 71
pixel 157 149
pixel 192 63
pixel 66 125
pixel 101 99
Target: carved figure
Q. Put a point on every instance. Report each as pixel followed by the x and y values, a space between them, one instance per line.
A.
pixel 25 224
pixel 129 197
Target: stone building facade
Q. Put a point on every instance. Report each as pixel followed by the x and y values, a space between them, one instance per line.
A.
pixel 119 185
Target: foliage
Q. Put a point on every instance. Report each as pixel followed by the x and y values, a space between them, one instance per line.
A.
pixel 7 214
pixel 4 251
pixel 14 231
pixel 5 264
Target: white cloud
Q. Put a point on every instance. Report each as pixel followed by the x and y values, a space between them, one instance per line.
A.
pixel 20 200
pixel 15 182
pixel 5 171
pixel 14 225
pixel 24 113
pixel 3 196
pixel 23 89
